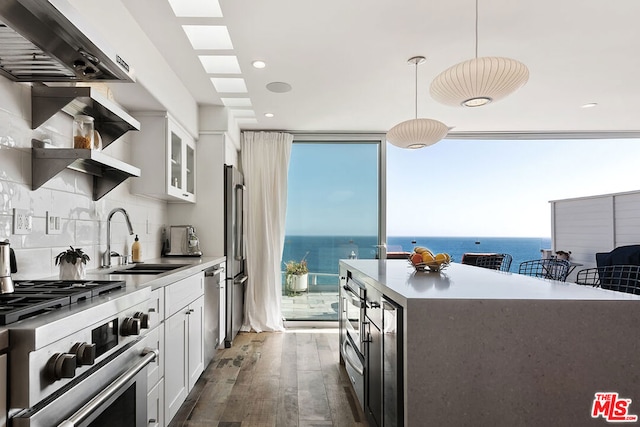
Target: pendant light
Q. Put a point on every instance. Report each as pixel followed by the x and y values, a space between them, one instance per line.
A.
pixel 479 81
pixel 417 133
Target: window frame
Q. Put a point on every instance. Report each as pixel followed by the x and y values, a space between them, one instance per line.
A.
pixel 355 138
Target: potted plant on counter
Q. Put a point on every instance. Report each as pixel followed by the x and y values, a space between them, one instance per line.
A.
pixel 72 262
pixel 297 276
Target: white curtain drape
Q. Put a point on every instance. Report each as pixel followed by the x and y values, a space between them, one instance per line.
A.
pixel 265 164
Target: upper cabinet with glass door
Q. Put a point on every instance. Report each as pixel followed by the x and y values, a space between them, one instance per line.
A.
pixel 166 156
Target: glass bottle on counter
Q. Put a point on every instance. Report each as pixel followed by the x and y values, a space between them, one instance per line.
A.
pixel 136 250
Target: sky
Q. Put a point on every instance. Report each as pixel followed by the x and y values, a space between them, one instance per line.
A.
pixel 477 188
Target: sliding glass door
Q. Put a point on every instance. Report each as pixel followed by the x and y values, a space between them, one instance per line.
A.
pixel 335 210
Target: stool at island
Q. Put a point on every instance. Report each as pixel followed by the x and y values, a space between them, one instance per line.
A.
pixel 500 262
pixel 554 269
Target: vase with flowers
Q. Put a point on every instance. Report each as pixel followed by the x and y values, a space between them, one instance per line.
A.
pixel 72 263
pixel 297 276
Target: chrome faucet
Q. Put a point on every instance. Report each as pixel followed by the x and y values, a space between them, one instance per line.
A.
pixel 106 258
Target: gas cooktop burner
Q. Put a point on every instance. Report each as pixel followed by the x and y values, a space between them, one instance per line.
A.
pixel 32 297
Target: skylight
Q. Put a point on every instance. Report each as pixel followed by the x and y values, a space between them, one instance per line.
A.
pixel 220 64
pixel 229 85
pixel 196 8
pixel 208 36
pixel 236 102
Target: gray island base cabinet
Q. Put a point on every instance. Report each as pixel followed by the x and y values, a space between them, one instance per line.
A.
pixel 488 348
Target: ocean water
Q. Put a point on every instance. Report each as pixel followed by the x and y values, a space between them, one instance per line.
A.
pixel 323 252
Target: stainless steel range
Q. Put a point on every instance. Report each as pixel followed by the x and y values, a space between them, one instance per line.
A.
pixel 77 353
pixel 33 297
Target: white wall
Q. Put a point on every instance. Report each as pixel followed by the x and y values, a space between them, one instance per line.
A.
pixel 588 225
pixel 68 195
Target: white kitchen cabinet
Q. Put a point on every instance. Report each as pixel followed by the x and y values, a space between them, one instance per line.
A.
pixel 155 370
pixel 195 356
pixel 184 340
pixel 166 156
pixel 155 405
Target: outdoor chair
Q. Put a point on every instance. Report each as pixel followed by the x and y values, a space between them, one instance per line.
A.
pixel 500 262
pixel 621 278
pixel 555 269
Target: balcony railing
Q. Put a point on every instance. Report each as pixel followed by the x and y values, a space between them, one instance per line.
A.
pixel 326 285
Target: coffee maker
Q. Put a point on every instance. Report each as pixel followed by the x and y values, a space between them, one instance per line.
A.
pixel 183 241
pixel 7 266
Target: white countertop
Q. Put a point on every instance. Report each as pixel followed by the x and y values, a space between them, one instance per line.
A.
pixel 136 281
pixel 459 281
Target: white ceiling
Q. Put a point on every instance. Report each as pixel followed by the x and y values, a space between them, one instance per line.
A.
pixel 347 60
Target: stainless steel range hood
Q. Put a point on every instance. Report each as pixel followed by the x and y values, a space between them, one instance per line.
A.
pixel 49 41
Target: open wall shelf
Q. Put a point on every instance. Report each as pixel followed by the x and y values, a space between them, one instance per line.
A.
pixel 110 120
pixel 107 172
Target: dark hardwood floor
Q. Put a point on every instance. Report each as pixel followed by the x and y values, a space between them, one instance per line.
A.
pixel 279 379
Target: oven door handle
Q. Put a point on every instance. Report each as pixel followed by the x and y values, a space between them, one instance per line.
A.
pixel 348 358
pixel 148 356
pixel 355 298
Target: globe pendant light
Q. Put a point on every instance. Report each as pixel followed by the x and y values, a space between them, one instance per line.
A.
pixel 417 133
pixel 479 81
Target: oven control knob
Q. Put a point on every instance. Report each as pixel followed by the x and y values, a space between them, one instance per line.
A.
pixel 85 353
pixel 145 320
pixel 130 326
pixel 62 365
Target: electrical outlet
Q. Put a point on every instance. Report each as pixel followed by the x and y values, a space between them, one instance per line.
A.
pixel 54 224
pixel 22 221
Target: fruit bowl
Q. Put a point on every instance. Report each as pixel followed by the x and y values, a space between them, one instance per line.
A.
pixel 430 266
pixel 422 259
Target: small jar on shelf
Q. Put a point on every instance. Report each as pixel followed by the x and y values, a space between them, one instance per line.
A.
pixel 84 134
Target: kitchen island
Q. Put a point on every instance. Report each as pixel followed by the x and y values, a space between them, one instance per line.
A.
pixel 481 347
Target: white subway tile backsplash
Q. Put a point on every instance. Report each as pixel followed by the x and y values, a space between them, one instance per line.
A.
pixel 71 205
pixel 6 222
pixel 65 181
pixel 87 232
pixel 69 194
pixel 11 165
pixel 33 263
pixel 12 101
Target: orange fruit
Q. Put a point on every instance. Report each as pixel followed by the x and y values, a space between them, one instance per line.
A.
pixel 416 258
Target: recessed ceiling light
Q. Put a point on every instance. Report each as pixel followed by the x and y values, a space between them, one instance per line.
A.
pixel 208 36
pixel 259 64
pixel 199 8
pixel 236 102
pixel 589 105
pixel 279 87
pixel 220 64
pixel 268 115
pixel 229 85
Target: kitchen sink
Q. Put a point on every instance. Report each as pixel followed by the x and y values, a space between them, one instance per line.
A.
pixel 148 269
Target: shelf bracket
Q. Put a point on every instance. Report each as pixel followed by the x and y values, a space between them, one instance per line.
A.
pixel 110 120
pixel 107 172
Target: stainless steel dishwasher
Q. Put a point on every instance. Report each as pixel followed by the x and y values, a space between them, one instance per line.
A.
pixel 214 310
